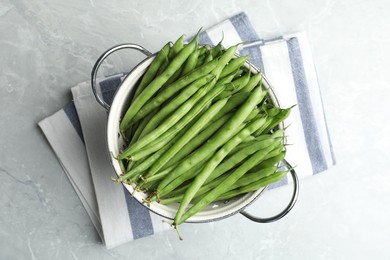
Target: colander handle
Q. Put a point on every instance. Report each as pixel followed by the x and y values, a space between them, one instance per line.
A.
pixel 289 206
pixel 100 60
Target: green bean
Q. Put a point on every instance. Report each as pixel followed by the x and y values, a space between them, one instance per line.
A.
pixel 218 139
pixel 187 118
pixel 223 169
pixel 153 69
pixel 139 169
pixel 190 63
pixel 209 57
pixel 234 101
pixel 179 100
pixel 167 139
pixel 141 126
pixel 233 65
pixel 157 83
pixel 250 177
pixel 238 74
pixel 143 165
pixel 194 130
pixel 172 89
pixel 275 157
pixel 213 163
pixel 245 180
pixel 242 81
pixel 253 186
pixel 276 115
pixel 201 60
pixel 252 140
pixel 178 194
pixel 168 123
pixel 203 49
pixel 253 82
pixel 173 78
pixel 217 50
pixel 223 60
pixel 239 83
pixel 283 114
pixel 177 47
pixel 200 138
pixel 241 155
pixel 194 171
pixel 226 79
pixel 223 186
pixel 147 183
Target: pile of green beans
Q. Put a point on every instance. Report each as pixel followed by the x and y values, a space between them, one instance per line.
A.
pixel 201 128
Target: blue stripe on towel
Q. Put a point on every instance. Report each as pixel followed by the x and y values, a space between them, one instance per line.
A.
pixel 312 138
pixel 205 39
pixel 109 86
pixel 255 56
pixel 71 113
pixel 140 220
pixel 248 34
pixel 244 28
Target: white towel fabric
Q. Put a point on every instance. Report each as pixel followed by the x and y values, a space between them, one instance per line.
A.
pixel 77 132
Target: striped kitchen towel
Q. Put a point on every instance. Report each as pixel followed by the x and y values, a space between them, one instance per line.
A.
pixel 77 132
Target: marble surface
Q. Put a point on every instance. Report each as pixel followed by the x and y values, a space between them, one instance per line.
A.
pixel 48 46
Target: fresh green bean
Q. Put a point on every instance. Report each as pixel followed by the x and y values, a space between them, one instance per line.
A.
pixel 239 83
pixel 218 139
pixel 217 50
pixel 240 156
pixel 177 47
pixel 164 137
pixel 141 126
pixel 178 194
pixel 253 82
pixel 213 163
pixel 142 167
pixel 194 130
pixel 233 65
pixel 190 63
pixel 172 89
pixel 224 168
pixel 276 115
pixel 168 123
pixel 157 83
pixel 179 100
pixel 275 157
pixel 194 171
pixel 245 180
pixel 173 78
pixel 234 101
pixel 209 57
pixel 201 60
pixel 283 114
pixel 153 69
pixel 250 177
pixel 223 186
pixel 253 186
pixel 203 49
pixel 200 138
pixel 238 74
pixel 168 138
pixel 223 60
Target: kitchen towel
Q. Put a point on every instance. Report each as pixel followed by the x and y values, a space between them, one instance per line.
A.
pixel 77 132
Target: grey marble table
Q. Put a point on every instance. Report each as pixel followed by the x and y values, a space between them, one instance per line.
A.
pixel 48 46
